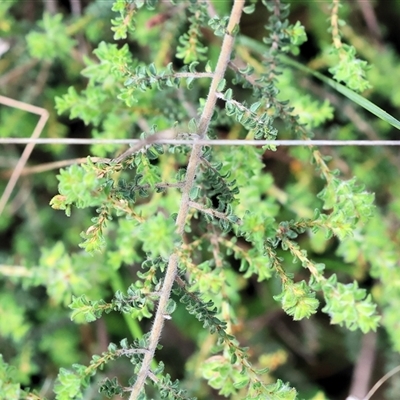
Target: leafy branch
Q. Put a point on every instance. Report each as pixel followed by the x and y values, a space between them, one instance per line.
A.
pixel 195 228
pixel 194 160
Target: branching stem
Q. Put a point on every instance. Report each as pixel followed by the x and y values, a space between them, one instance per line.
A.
pixel 194 160
pixel 210 211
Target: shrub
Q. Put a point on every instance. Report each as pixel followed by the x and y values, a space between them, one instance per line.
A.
pixel 199 239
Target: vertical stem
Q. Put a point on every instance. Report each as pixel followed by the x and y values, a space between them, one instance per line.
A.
pixel 204 122
pixel 337 42
pixel 223 60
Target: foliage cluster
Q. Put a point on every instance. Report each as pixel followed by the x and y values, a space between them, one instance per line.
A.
pixel 214 245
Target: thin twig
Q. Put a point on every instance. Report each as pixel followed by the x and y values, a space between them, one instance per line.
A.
pixel 15 73
pixel 20 198
pixel 76 8
pixel 50 6
pixel 44 116
pixel 36 169
pixel 364 366
pixel 15 271
pixel 167 134
pixel 41 80
pixel 337 42
pixel 194 160
pixel 381 382
pixel 210 211
pixel 367 10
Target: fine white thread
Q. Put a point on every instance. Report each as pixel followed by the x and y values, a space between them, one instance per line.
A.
pixel 209 142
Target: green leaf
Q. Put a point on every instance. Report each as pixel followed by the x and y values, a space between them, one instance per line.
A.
pixel 249 9
pixel 221 85
pixel 68 385
pixel 170 307
pixel 350 94
pixel 192 125
pixel 298 300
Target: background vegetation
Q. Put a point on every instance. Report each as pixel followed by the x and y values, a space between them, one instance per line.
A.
pixel 297 248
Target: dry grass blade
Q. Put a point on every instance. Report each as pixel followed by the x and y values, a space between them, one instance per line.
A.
pixel 381 382
pixel 44 116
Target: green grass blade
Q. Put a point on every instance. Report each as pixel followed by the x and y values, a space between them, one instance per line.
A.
pixel 350 94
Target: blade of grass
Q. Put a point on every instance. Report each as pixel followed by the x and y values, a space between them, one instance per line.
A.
pixel 261 49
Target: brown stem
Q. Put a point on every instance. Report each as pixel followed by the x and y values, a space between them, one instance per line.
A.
pixel 194 160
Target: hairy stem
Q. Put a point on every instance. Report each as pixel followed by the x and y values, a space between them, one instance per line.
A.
pixel 337 42
pixel 194 160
